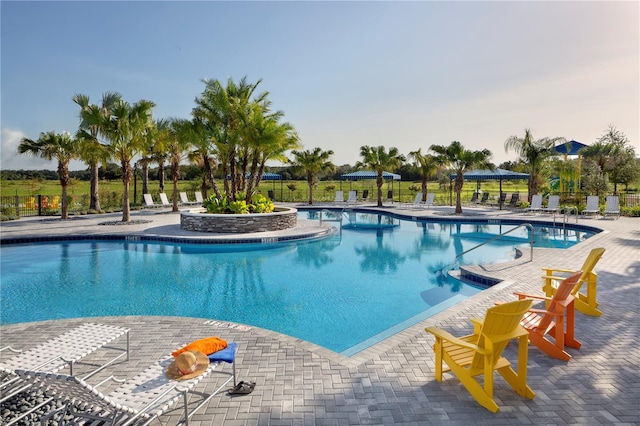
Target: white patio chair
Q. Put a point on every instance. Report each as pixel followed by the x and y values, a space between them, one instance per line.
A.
pixel 58 352
pixel 148 201
pixel 612 207
pixel 164 200
pixel 417 203
pixel 142 399
pixel 185 200
pixel 339 198
pixel 553 204
pixel 536 204
pixel 352 198
pixel 199 198
pixel 593 205
pixel 429 202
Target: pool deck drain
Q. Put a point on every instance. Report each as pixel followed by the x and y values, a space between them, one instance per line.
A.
pixel 392 382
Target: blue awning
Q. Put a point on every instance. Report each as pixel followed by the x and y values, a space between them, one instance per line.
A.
pixel 570 148
pixel 369 174
pixel 497 174
pixel 271 176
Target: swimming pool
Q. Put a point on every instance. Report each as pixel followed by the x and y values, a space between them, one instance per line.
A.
pixel 342 292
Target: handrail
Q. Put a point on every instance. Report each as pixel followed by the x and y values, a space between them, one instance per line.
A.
pixel 531 242
pixel 569 210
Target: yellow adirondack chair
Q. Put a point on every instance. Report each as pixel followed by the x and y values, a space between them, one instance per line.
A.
pixel 480 353
pixel 55 203
pixel 585 302
pixel 553 320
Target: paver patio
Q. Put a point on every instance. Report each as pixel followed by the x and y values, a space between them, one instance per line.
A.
pixel 392 382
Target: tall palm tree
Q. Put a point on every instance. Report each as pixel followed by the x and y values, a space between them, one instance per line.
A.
pixel 52 145
pixel 202 153
pixel 378 159
pixel 126 130
pixel 91 150
pixel 225 110
pixel 176 146
pixel 313 163
pixel 532 153
pixel 427 164
pixel 459 160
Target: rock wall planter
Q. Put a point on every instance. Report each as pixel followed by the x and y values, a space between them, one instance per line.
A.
pixel 200 221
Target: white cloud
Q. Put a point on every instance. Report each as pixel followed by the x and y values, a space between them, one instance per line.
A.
pixel 11 160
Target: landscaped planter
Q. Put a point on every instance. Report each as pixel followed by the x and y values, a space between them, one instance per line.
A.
pixel 200 221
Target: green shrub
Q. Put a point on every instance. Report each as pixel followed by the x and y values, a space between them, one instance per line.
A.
pixel 630 211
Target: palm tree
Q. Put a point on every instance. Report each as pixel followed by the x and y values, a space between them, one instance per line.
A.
pixel 459 160
pixel 52 145
pixel 176 145
pixel 203 154
pixel 532 153
pixel 126 131
pixel 427 165
pixel 314 163
pixel 378 159
pixel 92 151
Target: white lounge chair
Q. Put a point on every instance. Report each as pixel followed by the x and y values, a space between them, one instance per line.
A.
pixel 430 197
pixel 417 203
pixel 339 198
pixel 536 204
pixel 164 200
pixel 199 199
pixel 185 200
pixel 57 353
pixel 352 198
pixel 593 205
pixel 148 200
pixel 143 398
pixel 553 204
pixel 612 207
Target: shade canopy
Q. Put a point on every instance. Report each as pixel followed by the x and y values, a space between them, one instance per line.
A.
pixel 497 174
pixel 271 176
pixel 570 148
pixel 369 174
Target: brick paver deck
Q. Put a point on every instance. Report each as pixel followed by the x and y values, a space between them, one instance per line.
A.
pixel 392 382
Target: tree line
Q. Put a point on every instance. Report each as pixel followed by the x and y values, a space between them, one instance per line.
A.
pixel 233 132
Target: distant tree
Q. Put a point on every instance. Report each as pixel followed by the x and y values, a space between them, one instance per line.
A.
pixel 59 146
pixel 532 153
pixel 314 163
pixel 92 151
pixel 176 146
pixel 427 165
pixel 378 160
pixel 460 160
pixel 613 156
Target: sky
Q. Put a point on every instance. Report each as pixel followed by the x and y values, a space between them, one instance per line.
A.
pixel 345 74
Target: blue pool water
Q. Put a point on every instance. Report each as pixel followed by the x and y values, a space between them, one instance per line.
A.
pixel 342 292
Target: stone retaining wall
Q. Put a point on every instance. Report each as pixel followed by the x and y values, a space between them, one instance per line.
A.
pixel 238 223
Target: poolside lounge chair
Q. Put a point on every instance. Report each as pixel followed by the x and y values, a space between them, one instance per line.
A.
pixel 185 200
pixel 612 207
pixel 58 352
pixel 480 353
pixel 553 204
pixel 390 195
pixel 585 302
pixel 557 320
pixel 339 199
pixel 365 195
pixel 417 203
pixel 199 198
pixel 143 398
pixel 485 198
pixel 352 198
pixel 474 198
pixel 164 200
pixel 148 200
pixel 429 201
pixel 536 204
pixel 593 205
